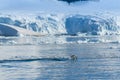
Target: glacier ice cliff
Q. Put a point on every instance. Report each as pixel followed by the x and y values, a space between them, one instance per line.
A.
pixel 64 24
pixel 91 25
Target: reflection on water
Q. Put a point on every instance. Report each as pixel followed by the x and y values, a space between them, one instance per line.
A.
pixel 95 62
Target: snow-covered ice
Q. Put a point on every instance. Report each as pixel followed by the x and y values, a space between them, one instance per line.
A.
pixel 65 24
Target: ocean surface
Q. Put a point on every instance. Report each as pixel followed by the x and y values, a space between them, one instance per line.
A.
pixel 51 61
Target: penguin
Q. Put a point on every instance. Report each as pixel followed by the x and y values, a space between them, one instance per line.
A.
pixel 73 57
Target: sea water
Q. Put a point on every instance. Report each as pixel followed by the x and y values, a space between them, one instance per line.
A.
pixel 51 61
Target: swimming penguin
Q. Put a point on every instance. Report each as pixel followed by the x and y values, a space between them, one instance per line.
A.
pixel 73 57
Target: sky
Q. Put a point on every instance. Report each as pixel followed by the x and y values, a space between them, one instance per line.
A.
pixel 27 4
pixel 58 6
pixel 20 4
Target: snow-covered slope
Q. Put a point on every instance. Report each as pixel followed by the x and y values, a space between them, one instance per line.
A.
pixel 10 30
pixel 65 24
pixel 45 24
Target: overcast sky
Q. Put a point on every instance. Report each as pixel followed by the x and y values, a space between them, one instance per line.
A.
pixel 22 4
pixel 54 5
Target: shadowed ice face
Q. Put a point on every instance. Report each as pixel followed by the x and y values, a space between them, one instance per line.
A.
pixel 7 31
